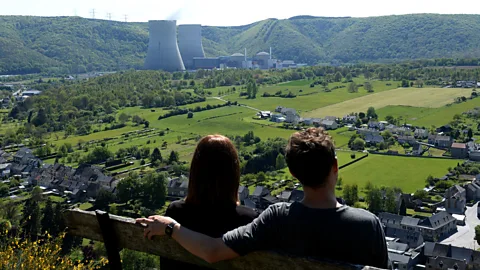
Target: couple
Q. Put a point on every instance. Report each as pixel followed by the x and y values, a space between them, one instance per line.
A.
pixel 210 225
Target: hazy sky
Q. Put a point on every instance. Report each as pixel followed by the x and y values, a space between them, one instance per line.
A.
pixel 224 12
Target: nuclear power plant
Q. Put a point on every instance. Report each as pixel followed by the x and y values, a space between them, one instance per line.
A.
pixel 163 52
pixel 190 43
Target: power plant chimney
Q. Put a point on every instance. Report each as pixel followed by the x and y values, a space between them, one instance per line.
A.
pixel 190 43
pixel 245 54
pixel 163 50
pixel 270 53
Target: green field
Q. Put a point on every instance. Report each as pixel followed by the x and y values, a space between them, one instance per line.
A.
pixel 428 116
pixel 416 97
pixel 407 173
pixel 310 98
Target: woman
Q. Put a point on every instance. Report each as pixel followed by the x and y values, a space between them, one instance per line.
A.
pixel 212 194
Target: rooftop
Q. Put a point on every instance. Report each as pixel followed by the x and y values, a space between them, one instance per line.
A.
pixel 459 145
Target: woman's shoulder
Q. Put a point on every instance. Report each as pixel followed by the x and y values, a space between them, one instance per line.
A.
pixel 174 207
pixel 246 212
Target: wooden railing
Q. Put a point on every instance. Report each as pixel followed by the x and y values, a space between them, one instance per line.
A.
pixel 124 233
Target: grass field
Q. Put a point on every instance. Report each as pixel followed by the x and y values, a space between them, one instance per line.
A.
pixel 407 173
pixel 416 97
pixel 428 116
pixel 312 98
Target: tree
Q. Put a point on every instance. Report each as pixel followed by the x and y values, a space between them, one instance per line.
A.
pixel 128 188
pixel 371 113
pixel 99 154
pixel 36 194
pixel 352 87
pixel 374 200
pixel 420 194
pixel 350 194
pixel 138 260
pixel 390 119
pixel 339 183
pixel 338 76
pixel 368 86
pixel 358 144
pixel 390 201
pixel 136 119
pixel 103 199
pixel 173 157
pixel 156 155
pixel 470 133
pixel 190 115
pixel 154 190
pixel 31 219
pixel 4 189
pixel 280 162
pixel 261 177
pixel 477 234
pixel 123 117
pixel 47 219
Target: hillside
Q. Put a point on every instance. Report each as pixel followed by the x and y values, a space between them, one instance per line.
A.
pixel 73 44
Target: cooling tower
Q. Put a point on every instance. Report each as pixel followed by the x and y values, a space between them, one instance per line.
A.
pixel 190 43
pixel 163 50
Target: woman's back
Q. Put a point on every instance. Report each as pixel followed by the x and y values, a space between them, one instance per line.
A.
pixel 221 220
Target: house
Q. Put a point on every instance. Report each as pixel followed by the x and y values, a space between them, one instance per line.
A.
pixel 373 139
pixel 296 195
pixel 264 114
pixel 23 155
pixel 292 117
pixel 268 200
pixel 440 140
pixel 351 119
pixel 317 122
pixel 307 121
pixel 455 200
pixel 258 193
pixel 365 131
pixel 243 193
pixel 420 133
pixel 406 139
pixel 376 125
pixel 284 196
pixel 330 118
pixel 433 228
pixel 178 187
pixel 284 111
pixel 402 257
pixel 405 131
pixel 329 124
pixel 412 238
pixel 277 118
pixel 459 150
pixel 445 128
pixel 473 191
pixel 279 109
pixel 441 256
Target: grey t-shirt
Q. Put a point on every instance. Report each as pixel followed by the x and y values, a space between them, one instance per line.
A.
pixel 344 234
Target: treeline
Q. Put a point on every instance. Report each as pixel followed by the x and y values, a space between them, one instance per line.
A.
pixel 180 111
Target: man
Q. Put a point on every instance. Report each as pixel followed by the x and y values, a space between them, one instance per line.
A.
pixel 318 226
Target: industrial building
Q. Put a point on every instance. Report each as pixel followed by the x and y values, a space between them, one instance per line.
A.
pixel 163 52
pixel 190 44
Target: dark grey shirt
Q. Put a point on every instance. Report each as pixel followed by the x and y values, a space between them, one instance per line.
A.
pixel 343 234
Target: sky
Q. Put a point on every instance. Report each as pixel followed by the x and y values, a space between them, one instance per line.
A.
pixel 230 13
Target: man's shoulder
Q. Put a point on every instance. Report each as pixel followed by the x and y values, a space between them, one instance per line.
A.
pixel 359 215
pixel 244 211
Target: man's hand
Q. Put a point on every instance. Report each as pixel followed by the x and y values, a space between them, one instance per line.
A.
pixel 155 225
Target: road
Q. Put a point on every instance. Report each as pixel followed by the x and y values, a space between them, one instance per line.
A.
pixel 252 108
pixel 465 235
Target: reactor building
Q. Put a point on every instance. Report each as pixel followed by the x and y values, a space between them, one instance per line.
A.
pixel 163 52
pixel 190 43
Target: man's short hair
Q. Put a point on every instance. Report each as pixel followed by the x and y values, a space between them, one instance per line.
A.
pixel 310 156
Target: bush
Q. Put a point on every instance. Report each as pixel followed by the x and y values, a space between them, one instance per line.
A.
pixel 352 156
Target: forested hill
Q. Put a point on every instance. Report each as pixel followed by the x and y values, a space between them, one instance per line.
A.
pixel 71 44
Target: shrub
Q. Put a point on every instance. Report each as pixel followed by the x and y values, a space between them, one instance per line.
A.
pixel 41 254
